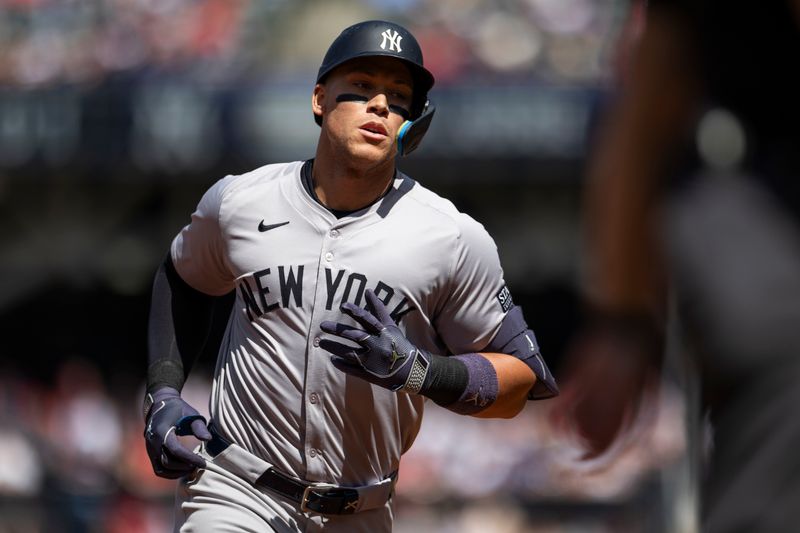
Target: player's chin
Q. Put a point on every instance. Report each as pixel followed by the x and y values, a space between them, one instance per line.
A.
pixel 370 152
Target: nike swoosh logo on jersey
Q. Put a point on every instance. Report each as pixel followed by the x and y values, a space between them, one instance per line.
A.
pixel 266 227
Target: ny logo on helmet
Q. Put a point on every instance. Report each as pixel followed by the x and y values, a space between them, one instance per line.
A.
pixel 394 40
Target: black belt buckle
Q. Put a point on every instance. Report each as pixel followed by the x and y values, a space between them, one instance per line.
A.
pixel 323 498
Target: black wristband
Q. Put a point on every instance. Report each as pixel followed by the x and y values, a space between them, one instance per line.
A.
pixel 165 373
pixel 446 380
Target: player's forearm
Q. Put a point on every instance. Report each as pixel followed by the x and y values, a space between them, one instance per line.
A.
pixel 486 385
pixel 180 318
pixel 654 112
pixel 515 380
pixel 467 384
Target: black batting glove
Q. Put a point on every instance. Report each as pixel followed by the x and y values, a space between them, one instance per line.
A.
pixel 384 356
pixel 166 417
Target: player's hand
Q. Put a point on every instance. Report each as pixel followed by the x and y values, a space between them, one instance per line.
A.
pixel 384 356
pixel 168 417
pixel 610 374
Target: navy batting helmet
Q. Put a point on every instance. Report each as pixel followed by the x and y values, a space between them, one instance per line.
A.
pixel 380 38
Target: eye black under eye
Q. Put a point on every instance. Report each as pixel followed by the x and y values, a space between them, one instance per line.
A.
pixel 350 97
pixel 399 111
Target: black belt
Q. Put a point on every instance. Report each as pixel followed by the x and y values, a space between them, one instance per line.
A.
pixel 317 497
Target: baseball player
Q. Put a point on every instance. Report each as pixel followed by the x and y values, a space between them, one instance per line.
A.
pixel 359 295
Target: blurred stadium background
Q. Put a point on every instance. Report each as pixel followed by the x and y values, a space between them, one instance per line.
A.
pixel 115 116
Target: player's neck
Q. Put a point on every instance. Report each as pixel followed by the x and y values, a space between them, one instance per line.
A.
pixel 347 187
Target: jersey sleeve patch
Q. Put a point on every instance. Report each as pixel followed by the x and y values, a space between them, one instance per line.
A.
pixel 504 297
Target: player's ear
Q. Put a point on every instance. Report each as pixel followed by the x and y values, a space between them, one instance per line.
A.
pixel 317 100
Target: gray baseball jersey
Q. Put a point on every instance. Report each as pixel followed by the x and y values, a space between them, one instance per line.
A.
pixel 292 264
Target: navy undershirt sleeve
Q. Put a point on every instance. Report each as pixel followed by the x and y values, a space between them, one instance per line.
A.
pixel 178 328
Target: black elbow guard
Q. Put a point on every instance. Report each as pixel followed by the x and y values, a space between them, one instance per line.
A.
pixel 515 338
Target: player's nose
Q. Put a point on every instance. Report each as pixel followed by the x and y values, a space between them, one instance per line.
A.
pixel 379 105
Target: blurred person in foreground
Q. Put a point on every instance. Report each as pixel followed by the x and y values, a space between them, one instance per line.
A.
pixel 694 191
pixel 307 432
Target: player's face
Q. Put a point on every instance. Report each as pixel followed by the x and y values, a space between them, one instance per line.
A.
pixel 363 104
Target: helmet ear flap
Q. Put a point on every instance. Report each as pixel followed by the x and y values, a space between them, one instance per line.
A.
pixel 411 132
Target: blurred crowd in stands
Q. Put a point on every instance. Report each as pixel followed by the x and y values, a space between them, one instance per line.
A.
pixel 175 86
pixel 72 459
pixel 50 42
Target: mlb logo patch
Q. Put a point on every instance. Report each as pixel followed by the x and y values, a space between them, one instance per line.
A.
pixel 504 297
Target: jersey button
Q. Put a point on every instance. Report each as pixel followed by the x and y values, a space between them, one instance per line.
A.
pixel 334 233
pixel 314 397
pixel 316 341
pixel 329 257
pixel 312 452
